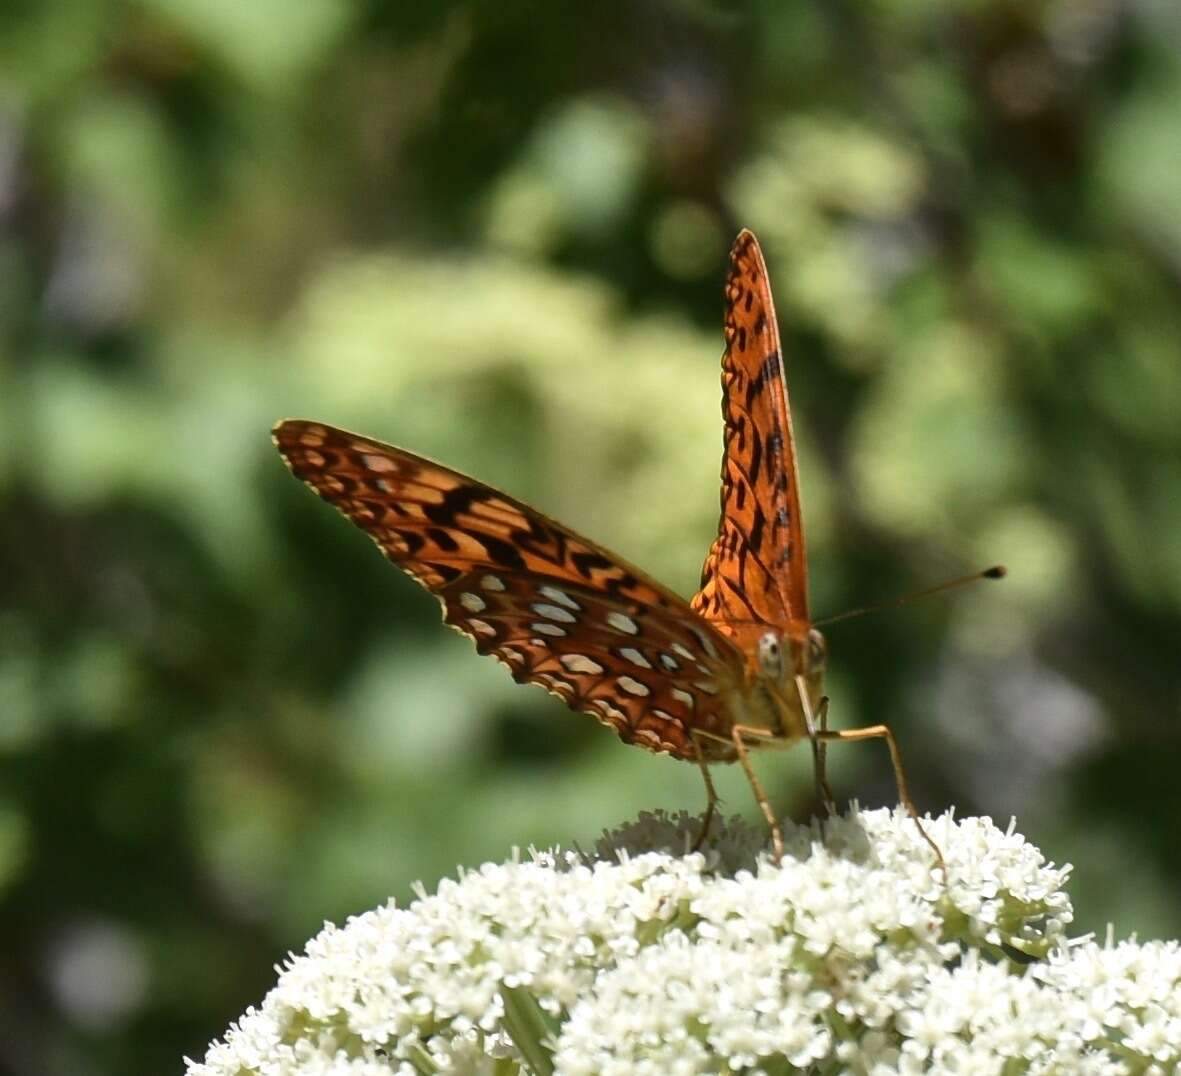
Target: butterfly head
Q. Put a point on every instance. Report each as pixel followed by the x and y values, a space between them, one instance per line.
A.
pixel 784 656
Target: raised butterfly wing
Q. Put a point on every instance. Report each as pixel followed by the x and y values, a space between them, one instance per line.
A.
pixel 756 569
pixel 556 609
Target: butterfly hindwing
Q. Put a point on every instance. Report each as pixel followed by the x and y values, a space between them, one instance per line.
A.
pixel 552 606
pixel 756 569
pixel 647 671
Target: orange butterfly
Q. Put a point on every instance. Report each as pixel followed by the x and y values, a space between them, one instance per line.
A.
pixel 738 667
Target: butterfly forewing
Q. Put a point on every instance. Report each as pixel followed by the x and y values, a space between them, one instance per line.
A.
pixel 555 608
pixel 756 568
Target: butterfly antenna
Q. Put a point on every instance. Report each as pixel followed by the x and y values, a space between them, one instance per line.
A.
pixel 997 571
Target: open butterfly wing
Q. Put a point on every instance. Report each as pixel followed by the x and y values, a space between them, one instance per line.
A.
pixel 552 606
pixel 756 569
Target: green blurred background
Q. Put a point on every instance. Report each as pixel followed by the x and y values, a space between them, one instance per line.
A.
pixel 496 234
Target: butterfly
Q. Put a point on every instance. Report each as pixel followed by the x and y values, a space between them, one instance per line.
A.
pixel 737 667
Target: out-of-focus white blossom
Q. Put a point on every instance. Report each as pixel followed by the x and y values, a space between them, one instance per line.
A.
pixel 854 955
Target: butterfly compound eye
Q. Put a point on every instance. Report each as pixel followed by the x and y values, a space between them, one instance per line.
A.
pixel 770 654
pixel 817 650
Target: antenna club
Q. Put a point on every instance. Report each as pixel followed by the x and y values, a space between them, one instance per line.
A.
pixel 998 571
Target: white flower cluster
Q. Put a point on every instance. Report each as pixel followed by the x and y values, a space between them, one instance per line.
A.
pixel 854 955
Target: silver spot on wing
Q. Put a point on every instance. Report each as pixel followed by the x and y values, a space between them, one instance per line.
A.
pixel 580 663
pixel 635 657
pixel 633 687
pixel 553 612
pixel 622 623
pixel 559 596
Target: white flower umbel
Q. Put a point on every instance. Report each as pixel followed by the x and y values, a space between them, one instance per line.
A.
pixel 853 955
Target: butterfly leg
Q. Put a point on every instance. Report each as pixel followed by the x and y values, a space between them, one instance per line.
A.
pixel 882 732
pixel 817 726
pixel 711 795
pixel 820 759
pixel 736 734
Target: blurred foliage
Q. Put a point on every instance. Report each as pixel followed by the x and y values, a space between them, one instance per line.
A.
pixel 496 234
